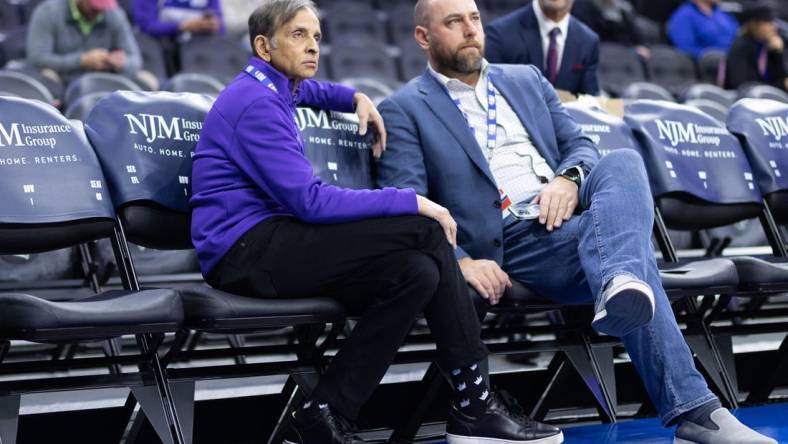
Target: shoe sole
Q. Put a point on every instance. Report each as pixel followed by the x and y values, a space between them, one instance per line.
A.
pixel 458 439
pixel 633 300
pixel 682 441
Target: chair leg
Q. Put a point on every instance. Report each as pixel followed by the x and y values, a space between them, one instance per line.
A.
pixel 112 348
pixel 168 404
pixel 760 392
pixel 297 388
pixel 9 418
pixel 582 359
pixel 237 342
pixel 182 394
pixel 558 370
pixel 430 384
pixel 603 357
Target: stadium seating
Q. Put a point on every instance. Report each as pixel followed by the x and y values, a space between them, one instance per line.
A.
pixel 373 59
pixel 216 56
pixel 12 44
pixel 81 106
pixel 646 90
pixel 194 83
pixel 710 92
pixel 152 54
pixel 709 107
pixel 55 196
pixel 364 24
pixel 711 66
pixel 9 16
pixel 671 69
pixel 764 92
pixel 619 65
pixel 22 85
pixel 97 82
pixel 376 91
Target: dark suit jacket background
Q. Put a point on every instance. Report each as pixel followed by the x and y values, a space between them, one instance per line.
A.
pixel 515 39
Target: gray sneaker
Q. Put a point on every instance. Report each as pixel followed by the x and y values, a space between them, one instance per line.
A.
pixel 729 431
pixel 627 304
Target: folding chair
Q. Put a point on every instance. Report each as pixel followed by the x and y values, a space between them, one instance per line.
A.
pixel 151 190
pixel 55 196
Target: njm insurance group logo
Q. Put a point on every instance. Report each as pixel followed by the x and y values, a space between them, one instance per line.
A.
pixel 149 129
pixel 677 132
pixel 775 127
pixel 24 135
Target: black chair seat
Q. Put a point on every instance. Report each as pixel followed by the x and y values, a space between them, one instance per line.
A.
pixel 101 316
pixel 701 275
pixel 208 308
pixel 754 272
pixel 519 297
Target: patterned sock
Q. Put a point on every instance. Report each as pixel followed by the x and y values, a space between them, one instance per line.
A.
pixel 701 415
pixel 470 390
pixel 311 407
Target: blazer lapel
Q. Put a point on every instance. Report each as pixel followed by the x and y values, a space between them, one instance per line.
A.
pixel 447 112
pixel 521 104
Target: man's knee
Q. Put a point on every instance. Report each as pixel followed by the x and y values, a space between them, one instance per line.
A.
pixel 419 273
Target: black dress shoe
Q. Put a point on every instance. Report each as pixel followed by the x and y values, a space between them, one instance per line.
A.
pixel 502 422
pixel 319 426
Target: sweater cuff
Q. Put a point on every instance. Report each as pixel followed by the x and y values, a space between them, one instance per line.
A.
pixel 344 98
pixel 404 202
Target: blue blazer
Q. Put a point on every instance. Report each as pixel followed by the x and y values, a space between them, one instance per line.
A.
pixel 514 38
pixel 431 149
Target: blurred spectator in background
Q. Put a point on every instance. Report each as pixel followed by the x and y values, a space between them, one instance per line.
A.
pixel 236 15
pixel 545 35
pixel 757 54
pixel 178 18
pixel 699 25
pixel 657 10
pixel 612 20
pixel 67 38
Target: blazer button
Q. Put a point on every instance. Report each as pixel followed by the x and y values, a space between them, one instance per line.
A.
pixel 497 204
pixel 497 243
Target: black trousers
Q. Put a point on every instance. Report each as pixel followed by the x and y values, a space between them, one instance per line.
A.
pixel 386 270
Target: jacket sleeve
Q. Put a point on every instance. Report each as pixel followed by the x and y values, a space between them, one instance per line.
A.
pixel 41 43
pixel 146 16
pixel 267 150
pixel 326 95
pixel 573 145
pixel 494 46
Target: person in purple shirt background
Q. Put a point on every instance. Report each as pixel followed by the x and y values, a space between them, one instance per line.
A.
pixel 699 25
pixel 173 18
pixel 264 225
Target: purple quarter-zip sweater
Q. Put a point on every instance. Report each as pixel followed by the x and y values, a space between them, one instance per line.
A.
pixel 250 165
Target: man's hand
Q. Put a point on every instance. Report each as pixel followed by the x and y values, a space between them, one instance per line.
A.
pixel 368 114
pixel 434 211
pixel 117 59
pixel 208 24
pixel 486 277
pixel 95 60
pixel 557 202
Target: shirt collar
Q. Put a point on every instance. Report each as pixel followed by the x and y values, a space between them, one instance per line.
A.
pixel 546 25
pixel 284 86
pixel 85 25
pixel 447 81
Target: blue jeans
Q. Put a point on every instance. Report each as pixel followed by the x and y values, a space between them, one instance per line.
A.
pixel 611 236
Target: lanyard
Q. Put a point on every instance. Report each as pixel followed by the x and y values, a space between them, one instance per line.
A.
pixel 262 78
pixel 492 117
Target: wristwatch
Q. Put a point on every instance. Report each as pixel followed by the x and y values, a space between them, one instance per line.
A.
pixel 574 173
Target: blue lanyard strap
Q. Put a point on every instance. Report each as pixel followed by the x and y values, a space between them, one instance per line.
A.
pixel 262 78
pixel 492 116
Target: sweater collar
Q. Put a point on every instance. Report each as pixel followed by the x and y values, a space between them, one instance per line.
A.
pixel 284 86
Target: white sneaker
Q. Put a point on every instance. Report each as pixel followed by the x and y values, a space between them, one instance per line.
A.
pixel 627 304
pixel 728 431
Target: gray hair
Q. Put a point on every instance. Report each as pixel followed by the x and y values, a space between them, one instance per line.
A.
pixel 268 18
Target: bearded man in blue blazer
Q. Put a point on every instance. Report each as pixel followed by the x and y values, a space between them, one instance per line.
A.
pixel 534 203
pixel 545 35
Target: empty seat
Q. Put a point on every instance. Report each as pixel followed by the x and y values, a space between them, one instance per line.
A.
pixel 9 16
pixel 351 22
pixel 413 61
pixel 217 56
pixel 671 68
pixel 96 82
pixel 711 66
pixel 401 23
pixel 152 55
pixel 370 60
pixel 646 90
pixel 765 92
pixel 194 83
pixel 619 65
pixel 711 92
pixel 709 107
pixel 82 106
pixel 22 85
pixel 13 45
pixel 377 91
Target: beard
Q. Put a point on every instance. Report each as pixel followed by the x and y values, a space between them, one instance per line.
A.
pixel 463 62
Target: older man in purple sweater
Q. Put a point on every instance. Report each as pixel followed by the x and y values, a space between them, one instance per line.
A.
pixel 265 225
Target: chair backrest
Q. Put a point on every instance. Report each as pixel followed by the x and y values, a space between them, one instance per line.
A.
pixel 671 68
pixel 338 154
pixel 13 44
pixel 145 143
pixel 709 107
pixel 608 132
pixel 401 23
pixel 349 21
pixel 646 90
pixel 22 85
pixel 217 56
pixel 41 267
pixel 765 92
pixel 94 82
pixel 711 92
pixel 699 173
pixel 412 62
pixel 376 90
pixel 762 127
pixel 81 108
pixel 54 192
pixel 370 60
pixel 194 83
pixel 9 16
pixel 152 55
pixel 618 65
pixel 711 66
